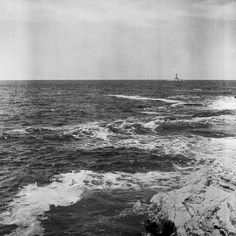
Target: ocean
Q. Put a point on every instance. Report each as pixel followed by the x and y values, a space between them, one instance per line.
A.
pixel 85 157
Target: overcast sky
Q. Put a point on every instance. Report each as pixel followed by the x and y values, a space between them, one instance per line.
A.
pixel 117 39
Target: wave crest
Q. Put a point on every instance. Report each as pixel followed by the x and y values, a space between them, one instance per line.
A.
pixel 32 201
pixel 145 98
pixel 223 103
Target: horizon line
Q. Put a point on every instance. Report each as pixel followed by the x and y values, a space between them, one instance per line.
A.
pixel 169 80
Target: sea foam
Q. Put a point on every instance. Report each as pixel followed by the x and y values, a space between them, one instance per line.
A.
pixel 223 103
pixel 29 205
pixel 145 98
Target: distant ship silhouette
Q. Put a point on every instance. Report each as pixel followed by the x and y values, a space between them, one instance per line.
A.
pixel 177 78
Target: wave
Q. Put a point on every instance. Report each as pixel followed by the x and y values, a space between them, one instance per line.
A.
pixel 28 207
pixel 156 125
pixel 182 125
pixel 213 133
pixel 93 130
pixel 211 113
pixel 150 112
pixel 73 132
pixel 184 97
pixel 223 103
pixel 193 104
pixel 145 135
pixel 145 98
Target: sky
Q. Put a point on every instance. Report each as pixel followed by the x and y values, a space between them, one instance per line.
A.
pixel 117 39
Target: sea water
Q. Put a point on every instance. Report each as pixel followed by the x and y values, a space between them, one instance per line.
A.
pixel 86 157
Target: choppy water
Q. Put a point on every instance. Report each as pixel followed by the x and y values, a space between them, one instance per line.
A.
pixel 81 157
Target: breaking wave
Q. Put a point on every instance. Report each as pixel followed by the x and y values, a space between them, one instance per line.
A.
pixel 29 205
pixel 182 125
pixel 146 135
pixel 223 103
pixel 145 98
pixel 211 113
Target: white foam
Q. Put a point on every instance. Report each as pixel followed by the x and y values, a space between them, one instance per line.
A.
pixel 93 129
pixel 223 103
pixel 151 124
pixel 93 135
pixel 18 131
pixel 126 137
pixel 224 151
pixel 150 112
pixel 145 98
pixel 171 145
pixel 32 200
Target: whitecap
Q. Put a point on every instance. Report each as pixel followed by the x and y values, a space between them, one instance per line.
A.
pixel 33 201
pixel 91 129
pixel 223 103
pixel 150 112
pixel 145 98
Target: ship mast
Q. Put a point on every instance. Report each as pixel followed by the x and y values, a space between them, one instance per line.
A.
pixel 176 77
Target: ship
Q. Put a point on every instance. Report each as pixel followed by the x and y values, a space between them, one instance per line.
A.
pixel 177 78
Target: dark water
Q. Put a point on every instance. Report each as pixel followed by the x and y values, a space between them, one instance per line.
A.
pixel 81 157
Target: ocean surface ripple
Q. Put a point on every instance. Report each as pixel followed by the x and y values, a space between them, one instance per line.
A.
pixel 81 157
